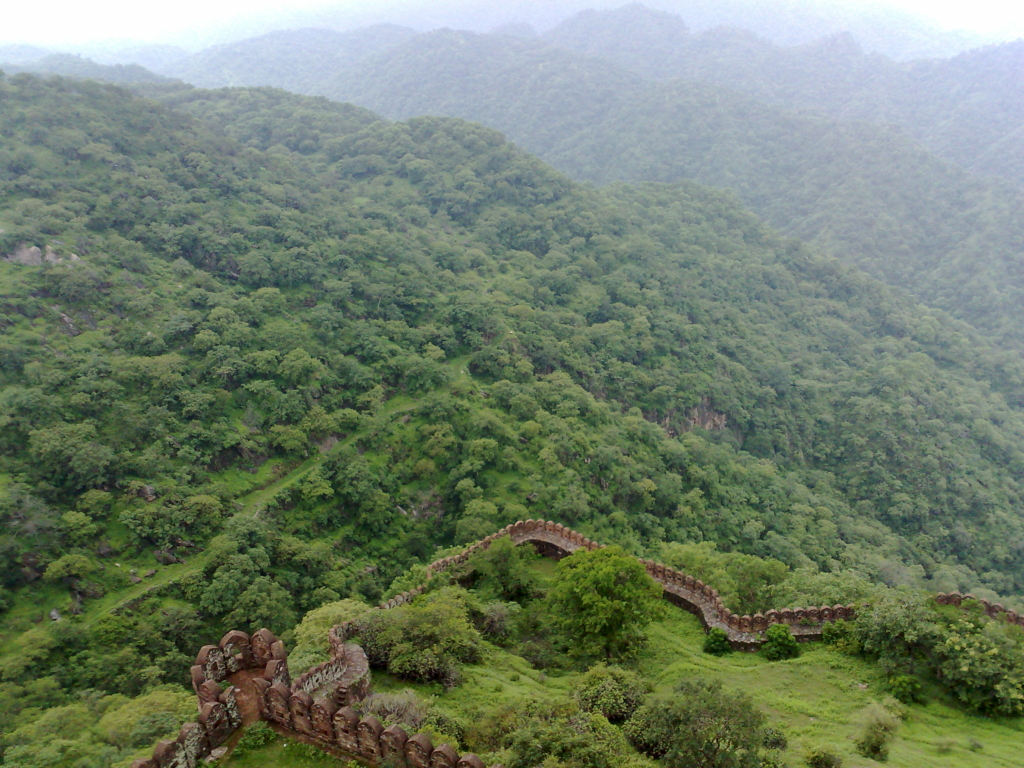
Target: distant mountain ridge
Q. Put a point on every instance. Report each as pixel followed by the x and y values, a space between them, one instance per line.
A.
pixel 867 194
pixel 296 60
pixel 69 65
pixel 968 109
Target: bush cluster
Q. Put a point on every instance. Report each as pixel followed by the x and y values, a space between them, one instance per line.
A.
pixel 779 643
pixel 424 641
pixel 613 692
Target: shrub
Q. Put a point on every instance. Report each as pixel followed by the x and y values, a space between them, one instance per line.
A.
pixel 775 739
pixel 819 757
pixel 424 641
pixel 700 724
pixel 839 635
pixel 779 643
pixel 716 642
pixel 497 621
pixel 564 736
pixel 404 707
pixel 257 735
pixel 879 730
pixel 981 661
pixel 905 688
pixel 610 691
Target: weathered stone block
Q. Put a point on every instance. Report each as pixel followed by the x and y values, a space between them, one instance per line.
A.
pixel 279 704
pixel 321 714
pixel 444 757
pixel 369 731
pixel 418 750
pixel 392 744
pixel 346 729
pixel 261 644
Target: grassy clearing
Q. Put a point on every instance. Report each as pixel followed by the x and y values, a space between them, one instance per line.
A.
pixel 285 753
pixel 820 699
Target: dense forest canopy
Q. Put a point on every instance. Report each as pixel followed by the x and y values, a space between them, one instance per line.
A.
pixel 558 344
pixel 263 356
pixel 865 194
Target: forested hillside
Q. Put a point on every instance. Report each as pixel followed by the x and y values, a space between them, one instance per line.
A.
pixel 866 194
pixel 250 305
pixel 261 352
pixel 967 109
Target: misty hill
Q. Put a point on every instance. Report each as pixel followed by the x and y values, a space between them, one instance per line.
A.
pixel 153 57
pixel 68 65
pixel 21 54
pixel 868 195
pixel 878 27
pixel 297 60
pixel 968 109
pixel 302 363
pixel 896 33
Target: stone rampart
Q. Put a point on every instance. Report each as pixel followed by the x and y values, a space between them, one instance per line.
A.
pixel 319 706
pixel 218 714
pixel 744 632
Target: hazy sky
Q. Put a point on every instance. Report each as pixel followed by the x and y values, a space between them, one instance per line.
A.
pixel 60 22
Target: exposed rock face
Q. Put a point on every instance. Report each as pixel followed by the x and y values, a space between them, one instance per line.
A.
pixel 31 256
pixel 703 416
pixel 26 256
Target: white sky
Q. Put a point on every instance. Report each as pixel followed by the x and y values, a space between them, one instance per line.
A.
pixel 53 23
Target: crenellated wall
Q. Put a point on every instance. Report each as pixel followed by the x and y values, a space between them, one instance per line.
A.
pixel 319 705
pixel 218 711
pixel 745 632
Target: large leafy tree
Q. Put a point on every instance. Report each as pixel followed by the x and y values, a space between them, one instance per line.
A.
pixel 602 601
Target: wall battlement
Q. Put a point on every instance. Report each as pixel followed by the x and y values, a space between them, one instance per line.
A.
pixel 318 706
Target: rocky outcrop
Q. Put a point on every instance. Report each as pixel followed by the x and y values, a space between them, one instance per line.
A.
pixel 31 256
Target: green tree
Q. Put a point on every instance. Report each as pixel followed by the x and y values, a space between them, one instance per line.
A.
pixel 264 603
pixel 602 601
pixel 424 641
pixel 716 642
pixel 503 571
pixel 700 724
pixel 69 568
pixel 611 691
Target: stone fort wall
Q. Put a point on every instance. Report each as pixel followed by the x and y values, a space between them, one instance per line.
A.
pixel 319 705
pixel 316 707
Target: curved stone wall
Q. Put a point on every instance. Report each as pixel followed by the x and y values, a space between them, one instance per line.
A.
pixel 744 632
pixel 318 705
